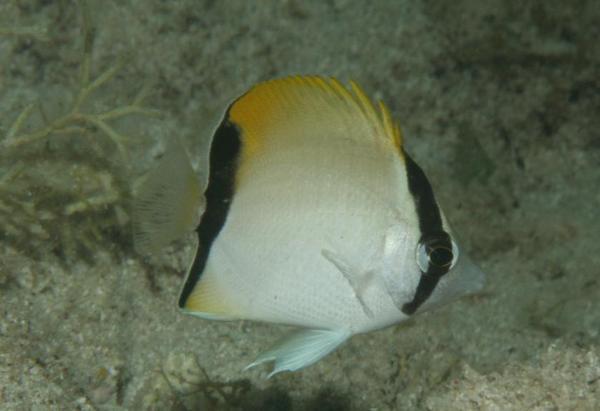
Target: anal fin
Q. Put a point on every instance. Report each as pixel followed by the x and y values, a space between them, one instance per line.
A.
pixel 208 301
pixel 301 349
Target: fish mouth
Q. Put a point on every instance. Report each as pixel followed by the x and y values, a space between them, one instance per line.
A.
pixel 465 279
pixel 470 279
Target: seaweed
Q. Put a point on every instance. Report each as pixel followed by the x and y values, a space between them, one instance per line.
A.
pixel 182 383
pixel 34 32
pixel 67 196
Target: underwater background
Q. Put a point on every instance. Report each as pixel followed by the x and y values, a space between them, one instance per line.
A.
pixel 499 102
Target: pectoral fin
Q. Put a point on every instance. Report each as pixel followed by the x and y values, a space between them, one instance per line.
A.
pixel 358 281
pixel 301 349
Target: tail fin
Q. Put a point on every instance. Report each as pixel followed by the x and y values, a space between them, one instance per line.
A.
pixel 168 204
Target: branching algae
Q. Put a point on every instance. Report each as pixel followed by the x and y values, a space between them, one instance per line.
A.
pixel 49 189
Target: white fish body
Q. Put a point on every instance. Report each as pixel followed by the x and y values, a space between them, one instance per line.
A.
pixel 315 217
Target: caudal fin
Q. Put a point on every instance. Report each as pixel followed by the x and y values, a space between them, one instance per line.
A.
pixel 168 204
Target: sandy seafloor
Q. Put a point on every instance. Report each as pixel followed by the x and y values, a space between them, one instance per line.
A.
pixel 499 102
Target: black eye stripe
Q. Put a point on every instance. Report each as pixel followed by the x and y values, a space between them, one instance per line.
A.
pixel 432 234
pixel 428 212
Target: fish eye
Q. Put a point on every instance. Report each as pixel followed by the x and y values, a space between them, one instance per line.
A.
pixel 440 256
pixel 437 254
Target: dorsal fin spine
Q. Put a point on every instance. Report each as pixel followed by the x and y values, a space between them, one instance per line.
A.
pixel 391 128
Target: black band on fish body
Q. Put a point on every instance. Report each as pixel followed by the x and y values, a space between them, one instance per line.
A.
pixel 224 154
pixel 437 242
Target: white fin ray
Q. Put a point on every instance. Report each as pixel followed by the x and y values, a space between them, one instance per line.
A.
pixel 169 202
pixel 301 349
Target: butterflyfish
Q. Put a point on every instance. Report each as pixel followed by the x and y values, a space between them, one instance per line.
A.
pixel 312 215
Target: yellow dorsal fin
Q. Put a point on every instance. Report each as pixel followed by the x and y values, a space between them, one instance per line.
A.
pixel 295 106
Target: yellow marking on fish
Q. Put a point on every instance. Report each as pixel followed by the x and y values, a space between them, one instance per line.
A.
pixel 275 105
pixel 206 298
